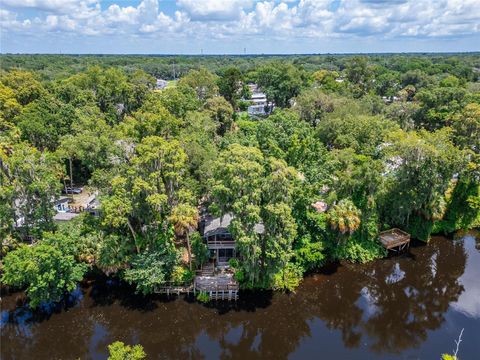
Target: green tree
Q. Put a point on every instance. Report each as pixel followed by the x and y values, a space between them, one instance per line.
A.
pixel 280 82
pixel 202 81
pixel 413 195
pixel 466 128
pixel 221 112
pixel 44 121
pixel 360 74
pixel 9 106
pixel 151 268
pixel 256 191
pixel 184 218
pixel 312 105
pixel 119 351
pixel 140 198
pixel 44 270
pixel 362 133
pixel 344 217
pixel 236 189
pixel 29 185
pixel 24 84
pixel 230 85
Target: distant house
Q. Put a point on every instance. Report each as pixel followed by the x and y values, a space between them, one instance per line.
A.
pixel 61 205
pixel 64 212
pixel 93 205
pixel 220 242
pixel 259 102
pixel 161 84
pixel 65 216
pixel 253 87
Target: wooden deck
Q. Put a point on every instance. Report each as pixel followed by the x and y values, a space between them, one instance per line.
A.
pixel 174 289
pixel 395 239
pixel 218 287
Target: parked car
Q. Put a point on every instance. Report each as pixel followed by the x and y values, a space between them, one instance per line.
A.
pixel 72 190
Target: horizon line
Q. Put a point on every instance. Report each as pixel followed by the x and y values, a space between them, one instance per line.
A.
pixel 244 55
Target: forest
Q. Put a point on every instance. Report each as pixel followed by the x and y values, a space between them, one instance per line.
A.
pixel 355 144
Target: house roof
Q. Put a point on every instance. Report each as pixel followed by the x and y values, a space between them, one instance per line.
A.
pixel 219 225
pixel 64 216
pixel 320 206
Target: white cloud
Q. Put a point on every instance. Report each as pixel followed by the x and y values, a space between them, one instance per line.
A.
pixel 222 10
pixel 237 19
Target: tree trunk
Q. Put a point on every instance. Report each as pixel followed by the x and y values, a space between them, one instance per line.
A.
pixel 134 236
pixel 71 173
pixel 189 249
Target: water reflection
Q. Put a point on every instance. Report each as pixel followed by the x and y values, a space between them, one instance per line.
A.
pixel 386 307
pixel 469 301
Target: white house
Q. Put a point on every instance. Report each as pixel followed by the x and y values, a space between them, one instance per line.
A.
pixel 161 84
pixel 259 102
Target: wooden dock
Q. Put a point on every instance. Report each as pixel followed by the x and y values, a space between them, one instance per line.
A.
pixel 174 289
pixel 395 239
pixel 218 287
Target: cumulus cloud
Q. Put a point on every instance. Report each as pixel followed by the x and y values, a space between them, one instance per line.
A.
pixel 235 19
pixel 218 10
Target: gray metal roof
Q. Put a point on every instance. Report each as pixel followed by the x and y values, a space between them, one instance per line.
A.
pixel 220 225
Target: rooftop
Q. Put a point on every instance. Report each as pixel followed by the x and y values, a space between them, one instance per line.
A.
pixel 64 216
pixel 219 225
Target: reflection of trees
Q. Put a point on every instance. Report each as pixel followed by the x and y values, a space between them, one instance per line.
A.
pixel 399 312
pixel 334 302
pixel 417 302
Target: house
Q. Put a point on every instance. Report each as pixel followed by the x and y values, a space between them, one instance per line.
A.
pixel 64 212
pixel 260 104
pixel 61 204
pixel 218 238
pixel 161 84
pixel 67 208
pixel 93 205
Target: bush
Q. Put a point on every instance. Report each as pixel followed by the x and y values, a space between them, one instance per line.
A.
pixel 288 278
pixel 199 249
pixel 119 351
pixel 234 263
pixel 359 251
pixel 44 270
pixel 239 276
pixel 309 254
pixel 181 275
pixel 203 297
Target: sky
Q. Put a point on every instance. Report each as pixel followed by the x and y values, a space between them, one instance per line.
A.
pixel 238 26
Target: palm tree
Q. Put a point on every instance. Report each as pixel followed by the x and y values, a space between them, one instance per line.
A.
pixel 344 217
pixel 184 218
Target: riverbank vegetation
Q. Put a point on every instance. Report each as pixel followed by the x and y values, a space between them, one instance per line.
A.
pixel 355 145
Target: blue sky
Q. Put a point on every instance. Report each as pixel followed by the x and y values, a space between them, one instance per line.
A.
pixel 235 26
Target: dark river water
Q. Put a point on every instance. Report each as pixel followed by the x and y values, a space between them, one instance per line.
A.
pixel 408 307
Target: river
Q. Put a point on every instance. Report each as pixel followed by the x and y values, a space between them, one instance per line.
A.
pixel 411 306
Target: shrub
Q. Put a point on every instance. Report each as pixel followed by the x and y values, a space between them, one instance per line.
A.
pixel 181 275
pixel 288 278
pixel 119 351
pixel 203 297
pixel 234 263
